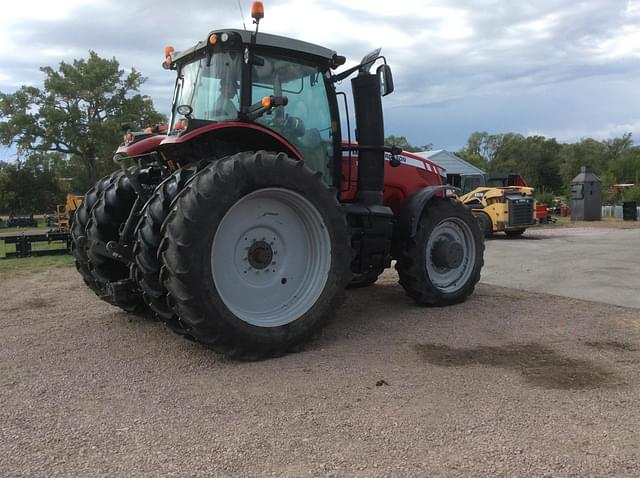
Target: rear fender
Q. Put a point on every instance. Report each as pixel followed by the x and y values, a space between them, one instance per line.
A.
pixel 412 210
pixel 231 137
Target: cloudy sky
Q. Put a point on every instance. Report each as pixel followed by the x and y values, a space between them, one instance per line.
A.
pixel 551 67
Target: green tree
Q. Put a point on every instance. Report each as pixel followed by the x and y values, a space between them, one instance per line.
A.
pixel 78 113
pixel 632 194
pixel 533 157
pixel 586 152
pixel 402 143
pixel 7 195
pixel 29 186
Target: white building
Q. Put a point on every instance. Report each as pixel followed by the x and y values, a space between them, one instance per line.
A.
pixel 451 163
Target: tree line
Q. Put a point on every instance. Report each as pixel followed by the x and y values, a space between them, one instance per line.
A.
pixel 65 134
pixel 547 164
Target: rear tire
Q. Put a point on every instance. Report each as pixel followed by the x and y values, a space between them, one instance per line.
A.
pixel 441 264
pixel 277 292
pixel 107 219
pixel 148 263
pixel 79 222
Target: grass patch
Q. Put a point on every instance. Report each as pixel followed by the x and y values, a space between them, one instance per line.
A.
pixel 16 231
pixel 35 246
pixel 34 264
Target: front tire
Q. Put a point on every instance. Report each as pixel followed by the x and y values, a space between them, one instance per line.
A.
pixel 441 264
pixel 256 253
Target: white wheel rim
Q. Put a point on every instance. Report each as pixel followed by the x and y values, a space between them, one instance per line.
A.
pixel 271 257
pixel 451 279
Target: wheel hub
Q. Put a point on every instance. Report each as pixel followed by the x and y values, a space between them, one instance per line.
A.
pixel 271 256
pixel 447 254
pixel 260 255
pixel 450 254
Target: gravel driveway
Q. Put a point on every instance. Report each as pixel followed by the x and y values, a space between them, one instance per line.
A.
pixel 509 383
pixel 598 262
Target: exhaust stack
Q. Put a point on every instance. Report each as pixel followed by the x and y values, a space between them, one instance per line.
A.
pixel 369 133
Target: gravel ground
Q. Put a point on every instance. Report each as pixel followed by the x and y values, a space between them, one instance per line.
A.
pixel 510 383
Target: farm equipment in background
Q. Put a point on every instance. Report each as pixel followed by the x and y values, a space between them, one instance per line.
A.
pixel 22 221
pixel 64 213
pixel 243 224
pixel 503 203
pixel 57 238
pixel 56 243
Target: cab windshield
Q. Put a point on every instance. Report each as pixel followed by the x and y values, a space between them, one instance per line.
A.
pixel 210 87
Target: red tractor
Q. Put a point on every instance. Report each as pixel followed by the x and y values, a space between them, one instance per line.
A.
pixel 242 225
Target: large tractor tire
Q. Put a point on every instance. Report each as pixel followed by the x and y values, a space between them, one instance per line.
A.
pixel 148 263
pixel 441 264
pixel 105 224
pixel 256 255
pixel 79 221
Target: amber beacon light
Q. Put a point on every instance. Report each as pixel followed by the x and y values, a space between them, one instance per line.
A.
pixel 168 51
pixel 257 11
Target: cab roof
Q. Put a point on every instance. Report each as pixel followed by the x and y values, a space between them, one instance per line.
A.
pixel 266 40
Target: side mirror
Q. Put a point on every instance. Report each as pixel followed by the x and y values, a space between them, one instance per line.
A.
pixel 386 79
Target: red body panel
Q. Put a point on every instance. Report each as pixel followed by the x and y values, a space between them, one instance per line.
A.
pixel 141 147
pixel 230 124
pixel 414 173
pixel 155 142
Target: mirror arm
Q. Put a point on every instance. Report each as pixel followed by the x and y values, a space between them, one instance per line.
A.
pixel 346 73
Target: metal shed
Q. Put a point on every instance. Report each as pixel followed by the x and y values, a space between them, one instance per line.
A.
pixel 586 204
pixel 451 163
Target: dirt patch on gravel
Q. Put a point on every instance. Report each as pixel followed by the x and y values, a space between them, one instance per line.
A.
pixel 88 390
pixel 30 304
pixel 538 365
pixel 611 345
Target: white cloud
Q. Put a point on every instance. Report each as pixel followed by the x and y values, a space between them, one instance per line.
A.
pixel 479 57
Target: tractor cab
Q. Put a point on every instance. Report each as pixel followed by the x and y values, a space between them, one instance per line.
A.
pixel 278 83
